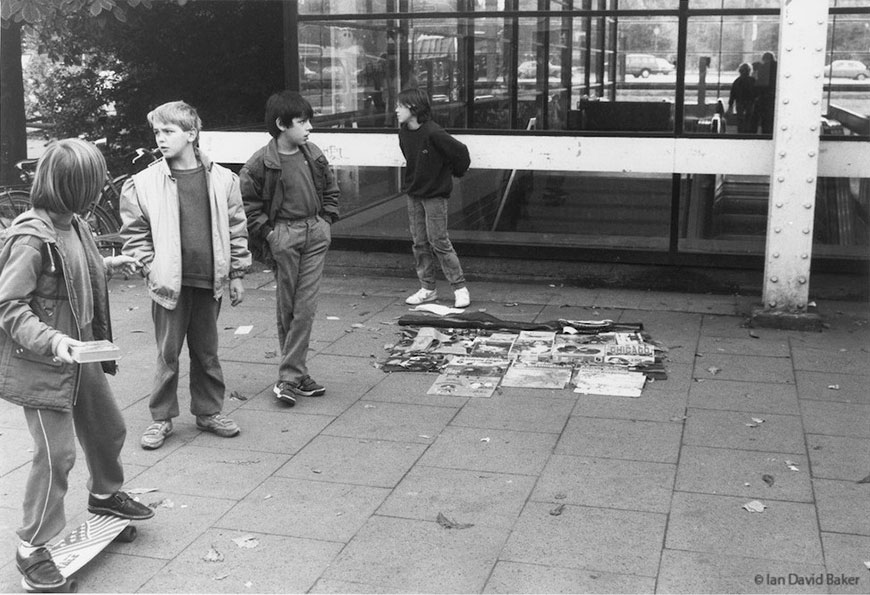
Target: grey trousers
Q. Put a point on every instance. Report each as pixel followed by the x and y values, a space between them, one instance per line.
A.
pixel 299 248
pixel 98 423
pixel 194 317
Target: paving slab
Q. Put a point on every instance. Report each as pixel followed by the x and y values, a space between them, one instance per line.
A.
pixel 751 397
pixel 391 421
pixel 842 506
pixel 637 440
pixel 715 524
pixel 836 419
pixel 515 577
pixel 482 499
pixel 524 413
pixel 282 432
pixel 607 540
pixel 276 564
pixel 658 405
pixel 738 430
pixel 837 457
pixel 606 483
pixel 419 556
pixel 489 450
pixel 845 556
pixel 193 470
pixel 326 585
pixel 308 509
pixel 703 572
pixel 762 347
pixel 741 473
pixel 827 386
pixel 411 388
pixel 752 368
pixel 359 461
pixel 842 361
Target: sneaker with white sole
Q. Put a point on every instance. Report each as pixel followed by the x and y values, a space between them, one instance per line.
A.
pixel 155 434
pixel 462 298
pixel 422 296
pixel 219 424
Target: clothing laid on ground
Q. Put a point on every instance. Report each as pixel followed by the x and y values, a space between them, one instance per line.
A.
pixel 290 201
pixel 433 158
pixel 52 281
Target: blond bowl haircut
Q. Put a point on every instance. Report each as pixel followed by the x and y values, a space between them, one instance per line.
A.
pixel 179 113
pixel 69 177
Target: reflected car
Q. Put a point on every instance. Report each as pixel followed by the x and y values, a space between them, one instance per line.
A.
pixel 529 70
pixel 850 69
pixel 664 67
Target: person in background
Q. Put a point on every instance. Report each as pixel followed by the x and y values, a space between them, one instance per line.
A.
pixel 53 297
pixel 765 92
pixel 433 158
pixel 291 199
pixel 742 98
pixel 183 219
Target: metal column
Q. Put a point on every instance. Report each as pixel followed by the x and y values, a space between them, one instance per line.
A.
pixel 802 37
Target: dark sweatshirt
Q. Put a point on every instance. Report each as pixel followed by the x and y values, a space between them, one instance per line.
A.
pixel 433 158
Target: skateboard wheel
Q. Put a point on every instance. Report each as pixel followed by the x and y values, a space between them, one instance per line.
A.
pixel 71 586
pixel 127 534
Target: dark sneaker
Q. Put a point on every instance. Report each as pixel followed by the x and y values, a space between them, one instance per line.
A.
pixel 155 434
pixel 308 388
pixel 39 570
pixel 120 505
pixel 218 424
pixel 284 392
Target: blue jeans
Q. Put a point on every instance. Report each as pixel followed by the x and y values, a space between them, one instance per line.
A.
pixel 428 222
pixel 299 248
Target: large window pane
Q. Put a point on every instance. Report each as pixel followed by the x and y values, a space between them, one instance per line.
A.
pixel 847 77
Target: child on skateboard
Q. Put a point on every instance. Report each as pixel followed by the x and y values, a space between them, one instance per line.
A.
pixel 54 296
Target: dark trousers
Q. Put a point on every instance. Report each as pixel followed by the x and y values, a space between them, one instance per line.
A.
pixel 194 317
pixel 299 248
pixel 97 421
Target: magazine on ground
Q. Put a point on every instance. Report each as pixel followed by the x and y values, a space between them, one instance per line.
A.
pixel 464 386
pixel 95 351
pixel 607 380
pixel 533 346
pixel 541 375
pixel 496 345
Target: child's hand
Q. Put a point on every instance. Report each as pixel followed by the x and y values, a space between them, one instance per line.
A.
pixel 126 264
pixel 61 348
pixel 237 291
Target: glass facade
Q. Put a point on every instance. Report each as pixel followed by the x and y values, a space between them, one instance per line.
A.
pixel 631 69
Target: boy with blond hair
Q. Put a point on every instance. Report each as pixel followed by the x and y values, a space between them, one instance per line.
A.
pixel 183 220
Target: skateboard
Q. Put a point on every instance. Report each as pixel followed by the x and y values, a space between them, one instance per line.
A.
pixel 82 545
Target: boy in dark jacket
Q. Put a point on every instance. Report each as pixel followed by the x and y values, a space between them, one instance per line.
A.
pixel 291 199
pixel 433 157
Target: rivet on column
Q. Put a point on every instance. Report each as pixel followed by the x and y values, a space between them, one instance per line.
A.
pixel 782 153
pixel 806 230
pixel 815 102
pixel 784 127
pixel 777 229
pixel 810 180
pixel 785 101
pixel 776 254
pixel 802 280
pixel 774 279
pixel 813 127
pixel 781 179
pixel 788 75
pixel 805 255
pixel 801 305
pixel 788 49
pixel 779 205
pixel 808 205
pixel 771 303
pixel 812 153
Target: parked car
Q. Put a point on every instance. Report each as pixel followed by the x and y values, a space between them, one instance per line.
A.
pixel 851 69
pixel 529 69
pixel 641 65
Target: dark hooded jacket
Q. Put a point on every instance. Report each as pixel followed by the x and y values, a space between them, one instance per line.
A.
pixel 37 301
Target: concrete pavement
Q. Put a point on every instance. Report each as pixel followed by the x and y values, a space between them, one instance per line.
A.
pixel 563 492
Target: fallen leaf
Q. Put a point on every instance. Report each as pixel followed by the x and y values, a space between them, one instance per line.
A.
pixel 834 386
pixel 768 479
pixel 220 577
pixel 165 503
pixel 485 439
pixel 510 304
pixel 791 466
pixel 213 556
pixel 758 420
pixel 558 510
pixel 714 370
pixel 238 396
pixel 754 506
pixel 247 541
pixel 449 524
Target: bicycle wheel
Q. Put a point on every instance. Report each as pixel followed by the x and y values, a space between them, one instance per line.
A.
pixel 105 228
pixel 12 204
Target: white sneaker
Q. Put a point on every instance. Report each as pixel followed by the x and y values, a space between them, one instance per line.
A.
pixel 422 296
pixel 462 298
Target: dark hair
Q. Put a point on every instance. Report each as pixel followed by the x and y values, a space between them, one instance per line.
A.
pixel 285 106
pixel 69 177
pixel 416 100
